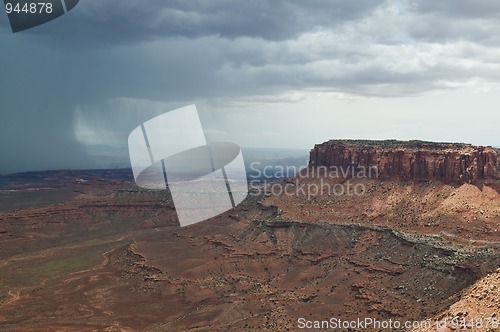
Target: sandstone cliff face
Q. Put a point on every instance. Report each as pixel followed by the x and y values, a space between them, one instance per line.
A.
pixel 412 160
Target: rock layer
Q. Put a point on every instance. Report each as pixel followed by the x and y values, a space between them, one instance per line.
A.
pixel 411 160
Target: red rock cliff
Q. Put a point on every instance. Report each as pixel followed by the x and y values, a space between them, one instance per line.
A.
pixel 412 160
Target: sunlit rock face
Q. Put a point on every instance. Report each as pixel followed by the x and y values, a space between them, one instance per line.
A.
pixel 411 160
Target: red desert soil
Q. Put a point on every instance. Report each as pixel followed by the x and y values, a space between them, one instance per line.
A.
pixel 463 213
pixel 477 310
pixel 111 257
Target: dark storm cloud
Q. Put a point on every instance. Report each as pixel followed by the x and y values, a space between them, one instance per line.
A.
pixel 221 52
pixel 36 110
pixel 127 20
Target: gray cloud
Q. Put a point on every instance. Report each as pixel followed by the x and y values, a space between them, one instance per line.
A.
pixel 125 21
pixel 450 21
pixel 459 8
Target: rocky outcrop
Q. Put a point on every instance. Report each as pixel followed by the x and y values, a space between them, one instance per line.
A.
pixel 411 160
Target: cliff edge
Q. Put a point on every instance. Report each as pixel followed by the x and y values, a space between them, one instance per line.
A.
pixel 412 160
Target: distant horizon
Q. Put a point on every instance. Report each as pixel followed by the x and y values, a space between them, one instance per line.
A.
pixel 126 167
pixel 275 149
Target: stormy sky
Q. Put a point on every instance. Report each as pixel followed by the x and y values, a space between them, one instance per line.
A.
pixel 262 74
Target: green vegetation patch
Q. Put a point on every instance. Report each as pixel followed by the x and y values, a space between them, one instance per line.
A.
pixel 67 265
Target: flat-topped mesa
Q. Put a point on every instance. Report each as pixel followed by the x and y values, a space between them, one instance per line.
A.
pixel 411 160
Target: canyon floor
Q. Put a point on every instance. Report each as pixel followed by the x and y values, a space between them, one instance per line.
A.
pixel 105 255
